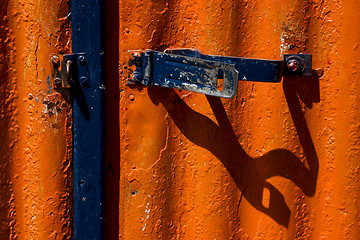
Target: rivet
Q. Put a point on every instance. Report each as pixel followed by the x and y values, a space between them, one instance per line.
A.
pixel 55 61
pixel 136 77
pixel 82 59
pixel 293 65
pixel 319 72
pixel 84 81
pixel 57 82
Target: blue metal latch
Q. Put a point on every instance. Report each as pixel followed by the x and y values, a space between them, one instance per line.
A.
pixel 190 70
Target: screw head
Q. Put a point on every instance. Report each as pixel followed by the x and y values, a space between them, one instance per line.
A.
pixel 55 61
pixel 137 60
pixel 57 82
pixel 319 72
pixel 84 82
pixel 293 65
pixel 136 77
pixel 82 182
pixel 82 59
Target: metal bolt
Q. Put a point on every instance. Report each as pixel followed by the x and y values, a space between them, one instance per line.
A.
pixel 293 65
pixel 82 59
pixel 136 77
pixel 319 72
pixel 137 61
pixel 84 82
pixel 57 82
pixel 55 61
pixel 82 182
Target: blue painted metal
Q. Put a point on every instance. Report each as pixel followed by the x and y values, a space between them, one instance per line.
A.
pixel 88 158
pixel 186 73
pixel 249 69
pixel 189 69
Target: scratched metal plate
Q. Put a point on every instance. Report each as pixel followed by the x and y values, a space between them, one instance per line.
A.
pixel 186 73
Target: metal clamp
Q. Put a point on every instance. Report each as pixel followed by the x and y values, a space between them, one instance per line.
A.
pixel 69 71
pixel 189 69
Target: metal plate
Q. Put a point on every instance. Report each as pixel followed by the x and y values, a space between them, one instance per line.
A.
pixel 185 73
pixel 189 69
pixel 249 69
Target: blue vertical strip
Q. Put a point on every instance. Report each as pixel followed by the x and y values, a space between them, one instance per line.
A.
pixel 88 158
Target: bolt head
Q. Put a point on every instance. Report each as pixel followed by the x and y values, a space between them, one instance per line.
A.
pixel 293 65
pixel 136 77
pixel 319 72
pixel 55 61
pixel 57 82
pixel 84 82
pixel 137 60
pixel 82 60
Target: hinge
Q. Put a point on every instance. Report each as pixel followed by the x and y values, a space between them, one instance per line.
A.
pixel 69 71
pixel 189 69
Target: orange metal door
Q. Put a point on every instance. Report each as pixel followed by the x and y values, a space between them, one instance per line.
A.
pixel 278 161
pixel 35 126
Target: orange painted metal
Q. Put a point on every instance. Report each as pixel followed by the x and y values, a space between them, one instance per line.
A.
pixel 278 161
pixel 35 123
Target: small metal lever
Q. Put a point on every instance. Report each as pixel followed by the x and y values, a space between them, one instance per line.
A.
pixel 68 72
pixel 189 69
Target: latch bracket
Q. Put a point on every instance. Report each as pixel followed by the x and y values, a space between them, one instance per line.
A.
pixel 189 69
pixel 69 70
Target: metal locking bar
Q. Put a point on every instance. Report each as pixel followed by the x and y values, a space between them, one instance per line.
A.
pixel 189 69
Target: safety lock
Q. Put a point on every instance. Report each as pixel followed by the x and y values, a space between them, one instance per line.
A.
pixel 69 71
pixel 189 69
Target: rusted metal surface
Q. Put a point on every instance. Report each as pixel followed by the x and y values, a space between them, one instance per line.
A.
pixel 279 161
pixel 35 123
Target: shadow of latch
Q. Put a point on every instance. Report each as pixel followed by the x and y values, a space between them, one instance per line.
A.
pixel 189 69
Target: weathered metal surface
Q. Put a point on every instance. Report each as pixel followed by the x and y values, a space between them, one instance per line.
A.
pixel 184 73
pixel 88 161
pixel 258 70
pixel 69 71
pixel 190 70
pixel 35 123
pixel 276 162
pixel 297 65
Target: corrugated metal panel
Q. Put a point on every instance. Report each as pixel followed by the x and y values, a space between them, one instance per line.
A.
pixel 35 126
pixel 279 161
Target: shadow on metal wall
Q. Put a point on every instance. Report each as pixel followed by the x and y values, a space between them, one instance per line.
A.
pixel 5 139
pixel 112 129
pixel 250 174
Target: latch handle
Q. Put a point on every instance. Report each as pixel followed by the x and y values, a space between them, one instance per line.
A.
pixel 185 73
pixel 189 69
pixel 68 72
